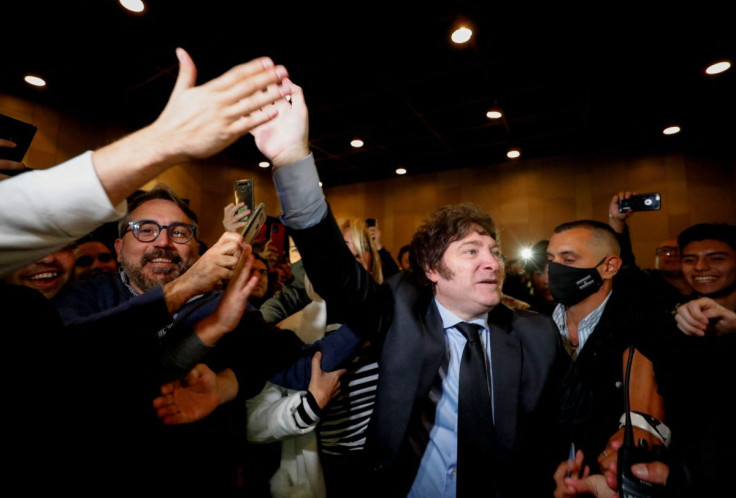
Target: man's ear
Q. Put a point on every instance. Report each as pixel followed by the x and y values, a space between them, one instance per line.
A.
pixel 611 266
pixel 118 243
pixel 432 275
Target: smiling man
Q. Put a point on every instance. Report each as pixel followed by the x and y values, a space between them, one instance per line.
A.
pixel 695 363
pixel 416 439
pixel 164 306
pixel 47 275
pixel 709 261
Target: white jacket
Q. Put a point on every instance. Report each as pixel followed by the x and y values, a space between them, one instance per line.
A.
pixel 278 413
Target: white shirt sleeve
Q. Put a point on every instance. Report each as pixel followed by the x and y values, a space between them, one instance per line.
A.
pixel 274 414
pixel 41 211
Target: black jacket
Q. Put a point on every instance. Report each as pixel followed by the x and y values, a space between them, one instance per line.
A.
pixel 528 360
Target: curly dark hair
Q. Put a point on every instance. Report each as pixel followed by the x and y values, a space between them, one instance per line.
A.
pixel 443 227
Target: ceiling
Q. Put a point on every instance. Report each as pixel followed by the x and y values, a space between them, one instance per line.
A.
pixel 569 83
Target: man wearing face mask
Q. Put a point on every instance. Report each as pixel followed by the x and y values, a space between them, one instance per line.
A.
pixel 598 323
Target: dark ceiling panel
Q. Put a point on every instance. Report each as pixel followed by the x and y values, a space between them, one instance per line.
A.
pixel 568 84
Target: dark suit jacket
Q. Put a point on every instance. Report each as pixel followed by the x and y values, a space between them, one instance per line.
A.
pixel 527 355
pixel 594 396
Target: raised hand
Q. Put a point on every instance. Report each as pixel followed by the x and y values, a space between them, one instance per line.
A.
pixel 285 138
pixel 231 307
pixel 199 121
pixel 617 219
pixel 231 218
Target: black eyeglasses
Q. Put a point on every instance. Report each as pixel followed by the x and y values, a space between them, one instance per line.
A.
pixel 103 257
pixel 149 230
pixel 669 251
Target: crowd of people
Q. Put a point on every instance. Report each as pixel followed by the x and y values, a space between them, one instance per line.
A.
pixel 327 368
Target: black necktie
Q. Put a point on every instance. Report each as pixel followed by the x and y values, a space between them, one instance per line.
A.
pixel 475 420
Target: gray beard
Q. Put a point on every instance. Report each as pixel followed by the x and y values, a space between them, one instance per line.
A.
pixel 145 284
pixel 140 281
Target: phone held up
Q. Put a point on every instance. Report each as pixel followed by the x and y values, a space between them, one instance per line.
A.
pixel 243 190
pixel 255 222
pixel 641 202
pixel 15 140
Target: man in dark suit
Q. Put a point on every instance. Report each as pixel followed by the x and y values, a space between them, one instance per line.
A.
pixel 457 276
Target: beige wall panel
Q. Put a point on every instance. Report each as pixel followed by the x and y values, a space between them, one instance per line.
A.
pixel 527 198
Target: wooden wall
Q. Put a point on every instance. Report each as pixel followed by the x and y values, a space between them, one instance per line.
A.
pixel 527 198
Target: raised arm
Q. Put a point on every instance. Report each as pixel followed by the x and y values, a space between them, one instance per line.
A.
pixel 197 122
pixel 65 202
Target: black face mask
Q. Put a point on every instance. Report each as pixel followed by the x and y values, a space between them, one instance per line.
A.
pixel 570 285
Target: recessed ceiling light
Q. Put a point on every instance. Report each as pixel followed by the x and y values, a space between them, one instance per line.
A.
pixel 718 67
pixel 513 153
pixel 133 5
pixel 264 164
pixel 494 112
pixel 461 35
pixel 34 80
pixel 671 130
pixel 357 143
pixel 400 171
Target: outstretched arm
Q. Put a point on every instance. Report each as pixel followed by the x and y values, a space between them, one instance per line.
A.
pixel 197 122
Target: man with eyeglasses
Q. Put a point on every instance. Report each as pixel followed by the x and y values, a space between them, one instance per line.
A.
pixel 166 287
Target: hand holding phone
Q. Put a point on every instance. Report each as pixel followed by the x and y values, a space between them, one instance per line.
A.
pixel 16 138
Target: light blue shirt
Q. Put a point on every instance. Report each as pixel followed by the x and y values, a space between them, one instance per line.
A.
pixel 437 476
pixel 585 327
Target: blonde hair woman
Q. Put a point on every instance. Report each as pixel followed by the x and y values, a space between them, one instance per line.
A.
pixel 360 244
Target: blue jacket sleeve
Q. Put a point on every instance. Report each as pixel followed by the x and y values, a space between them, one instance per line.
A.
pixel 337 348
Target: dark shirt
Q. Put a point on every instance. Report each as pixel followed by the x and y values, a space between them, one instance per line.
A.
pixel 189 458
pixel 695 375
pixel 593 398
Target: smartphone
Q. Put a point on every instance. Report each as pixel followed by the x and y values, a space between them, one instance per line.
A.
pixel 370 222
pixel 277 237
pixel 18 132
pixel 243 190
pixel 255 222
pixel 640 202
